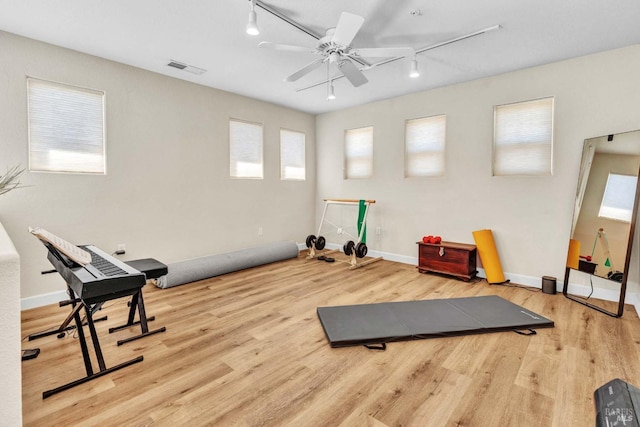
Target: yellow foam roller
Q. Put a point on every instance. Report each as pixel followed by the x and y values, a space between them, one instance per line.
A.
pixel 489 256
pixel 573 256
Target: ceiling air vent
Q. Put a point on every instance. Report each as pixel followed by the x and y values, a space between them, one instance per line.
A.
pixel 185 67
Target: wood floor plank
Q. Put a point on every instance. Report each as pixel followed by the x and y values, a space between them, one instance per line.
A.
pixel 247 349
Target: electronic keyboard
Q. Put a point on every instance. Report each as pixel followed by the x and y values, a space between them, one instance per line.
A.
pixel 103 279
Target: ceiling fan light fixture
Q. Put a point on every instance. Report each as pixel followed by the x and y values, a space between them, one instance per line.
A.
pixel 252 25
pixel 414 73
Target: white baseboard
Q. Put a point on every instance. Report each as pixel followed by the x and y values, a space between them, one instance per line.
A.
pixel 394 257
pixel 536 282
pixel 43 299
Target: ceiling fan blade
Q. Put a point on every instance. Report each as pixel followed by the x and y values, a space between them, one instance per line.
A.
pixel 351 72
pixel 286 47
pixel 383 52
pixel 347 28
pixel 304 70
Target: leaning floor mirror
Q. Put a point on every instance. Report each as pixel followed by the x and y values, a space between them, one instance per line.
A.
pixel 605 214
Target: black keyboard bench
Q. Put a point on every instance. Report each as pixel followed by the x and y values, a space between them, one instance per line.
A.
pixel 152 270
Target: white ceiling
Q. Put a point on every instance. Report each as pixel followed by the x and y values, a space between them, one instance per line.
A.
pixel 211 35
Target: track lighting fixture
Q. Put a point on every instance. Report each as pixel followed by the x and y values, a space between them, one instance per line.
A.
pixel 252 25
pixel 414 68
pixel 331 95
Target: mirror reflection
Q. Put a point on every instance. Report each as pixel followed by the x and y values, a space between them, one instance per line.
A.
pixel 604 203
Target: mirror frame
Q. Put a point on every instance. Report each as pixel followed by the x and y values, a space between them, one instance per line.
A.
pixel 625 274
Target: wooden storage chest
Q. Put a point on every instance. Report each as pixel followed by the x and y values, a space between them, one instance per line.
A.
pixel 456 259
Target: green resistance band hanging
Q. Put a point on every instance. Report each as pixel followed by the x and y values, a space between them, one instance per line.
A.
pixel 607 263
pixel 361 211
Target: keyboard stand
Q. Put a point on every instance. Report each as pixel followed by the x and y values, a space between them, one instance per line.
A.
pixel 102 369
pixel 64 326
pixel 152 269
pixel 63 265
pixel 137 302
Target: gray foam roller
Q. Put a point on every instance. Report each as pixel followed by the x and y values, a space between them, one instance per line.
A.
pixel 195 269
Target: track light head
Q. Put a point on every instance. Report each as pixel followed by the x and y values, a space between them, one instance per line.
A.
pixel 331 95
pixel 252 25
pixel 414 73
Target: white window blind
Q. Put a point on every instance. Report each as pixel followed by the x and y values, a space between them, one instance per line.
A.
pixel 523 138
pixel 245 149
pixel 66 128
pixel 424 146
pixel 358 153
pixel 292 161
pixel 618 198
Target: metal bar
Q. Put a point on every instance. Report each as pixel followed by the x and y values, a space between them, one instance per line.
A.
pixel 83 343
pixel 588 304
pixel 94 338
pixel 476 33
pixel 142 335
pixel 288 20
pixel 60 330
pixel 324 212
pixel 127 325
pixel 83 380
pixel 133 307
pixel 347 200
pixel 437 45
pixel 142 314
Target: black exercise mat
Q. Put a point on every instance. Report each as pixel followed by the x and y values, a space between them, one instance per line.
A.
pixel 409 320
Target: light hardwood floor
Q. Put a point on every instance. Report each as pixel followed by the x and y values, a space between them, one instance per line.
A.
pixel 247 349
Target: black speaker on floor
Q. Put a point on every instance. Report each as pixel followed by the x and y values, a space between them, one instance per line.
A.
pixel 549 284
pixel 617 404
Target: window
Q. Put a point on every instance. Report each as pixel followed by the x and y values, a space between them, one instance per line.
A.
pixel 292 162
pixel 523 136
pixel 424 146
pixel 619 195
pixel 358 153
pixel 245 149
pixel 66 128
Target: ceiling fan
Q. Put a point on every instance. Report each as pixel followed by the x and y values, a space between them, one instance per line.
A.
pixel 335 48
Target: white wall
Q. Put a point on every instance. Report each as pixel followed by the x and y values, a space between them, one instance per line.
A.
pixel 10 354
pixel 167 193
pixel 530 216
